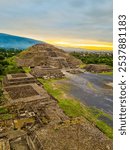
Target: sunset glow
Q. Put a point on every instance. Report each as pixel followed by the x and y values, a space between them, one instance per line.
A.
pixel 90 45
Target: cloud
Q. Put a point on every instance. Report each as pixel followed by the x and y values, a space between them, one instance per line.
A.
pixel 53 18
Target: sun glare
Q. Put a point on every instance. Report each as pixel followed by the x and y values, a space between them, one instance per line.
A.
pixel 91 45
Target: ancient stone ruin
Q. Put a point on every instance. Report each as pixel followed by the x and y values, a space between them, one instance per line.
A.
pixel 16 79
pixel 98 68
pixel 33 120
pixel 47 73
pixel 47 61
pixel 48 56
pixel 22 87
pixel 26 92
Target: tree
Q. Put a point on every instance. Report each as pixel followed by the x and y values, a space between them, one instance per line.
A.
pixel 2 57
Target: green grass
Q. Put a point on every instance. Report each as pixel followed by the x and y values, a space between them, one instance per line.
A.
pixel 82 66
pixel 11 60
pixel 105 128
pixel 6 116
pixel 1 77
pixel 107 73
pixel 1 91
pixel 73 108
pixel 12 67
pixel 3 110
pixel 27 69
pixel 91 86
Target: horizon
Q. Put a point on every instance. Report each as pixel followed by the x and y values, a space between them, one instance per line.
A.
pixel 65 45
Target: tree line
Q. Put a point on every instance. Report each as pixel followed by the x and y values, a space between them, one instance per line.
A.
pixel 7 65
pixel 94 58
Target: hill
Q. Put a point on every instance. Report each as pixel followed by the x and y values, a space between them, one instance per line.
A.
pixel 10 41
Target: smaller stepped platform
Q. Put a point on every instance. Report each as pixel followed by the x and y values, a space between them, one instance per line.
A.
pixel 19 78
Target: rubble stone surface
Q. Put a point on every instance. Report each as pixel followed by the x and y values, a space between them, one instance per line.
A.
pixel 33 120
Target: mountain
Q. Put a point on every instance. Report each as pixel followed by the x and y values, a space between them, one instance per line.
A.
pixel 11 41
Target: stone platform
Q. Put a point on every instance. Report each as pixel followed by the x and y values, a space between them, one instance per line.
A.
pixel 25 93
pixel 19 78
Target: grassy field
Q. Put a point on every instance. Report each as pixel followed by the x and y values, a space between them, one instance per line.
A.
pixel 107 73
pixel 73 108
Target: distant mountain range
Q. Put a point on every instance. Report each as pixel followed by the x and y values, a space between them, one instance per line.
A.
pixel 11 41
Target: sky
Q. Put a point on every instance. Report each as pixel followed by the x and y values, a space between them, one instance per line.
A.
pixel 70 23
